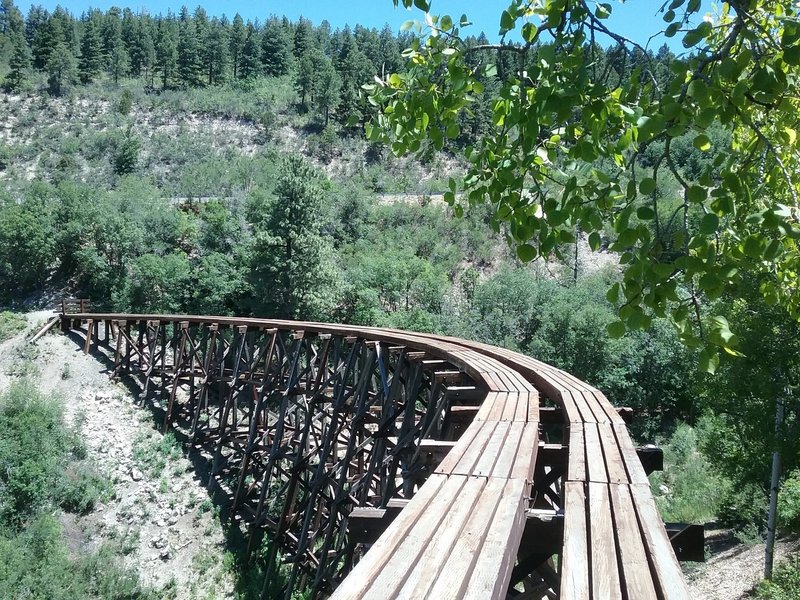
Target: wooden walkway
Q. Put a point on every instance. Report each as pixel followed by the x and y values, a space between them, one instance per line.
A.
pixel 530 485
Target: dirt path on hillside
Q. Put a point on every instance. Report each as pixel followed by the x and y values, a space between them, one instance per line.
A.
pixel 160 511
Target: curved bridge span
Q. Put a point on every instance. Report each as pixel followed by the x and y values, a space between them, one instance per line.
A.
pixel 388 464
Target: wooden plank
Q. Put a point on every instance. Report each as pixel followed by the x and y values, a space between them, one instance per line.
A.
pixel 614 463
pixel 391 577
pixel 508 453
pixel 432 561
pixel 361 576
pixel 492 570
pixel 510 409
pixel 475 450
pixel 454 456
pixel 595 460
pixel 636 575
pixel 603 553
pixel 633 466
pixel 497 441
pixel 487 406
pixel 453 579
pixel 576 467
pixel 528 407
pixel 671 583
pixel 575 556
pixel 611 411
pixel 50 324
pixel 525 460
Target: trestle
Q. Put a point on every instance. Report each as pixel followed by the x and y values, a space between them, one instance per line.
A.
pixel 386 464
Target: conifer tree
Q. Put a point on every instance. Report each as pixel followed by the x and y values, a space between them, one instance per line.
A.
pixel 306 77
pixel 45 37
pixel 11 20
pixel 61 69
pixel 276 53
pixel 249 59
pixel 142 49
pixel 238 36
pixel 19 63
pixel 118 61
pixel 215 52
pixel 190 66
pixel 90 62
pixel 291 258
pixel 303 38
pixel 166 50
pixel 327 92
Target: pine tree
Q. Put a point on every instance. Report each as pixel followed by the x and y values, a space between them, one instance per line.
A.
pixel 61 69
pixel 11 20
pixel 249 60
pixel 327 93
pixel 355 70
pixel 142 49
pixel 236 45
pixel 306 76
pixel 19 63
pixel 190 67
pixel 291 259
pixel 215 52
pixel 91 59
pixel 303 38
pixel 166 50
pixel 118 61
pixel 276 53
pixel 45 38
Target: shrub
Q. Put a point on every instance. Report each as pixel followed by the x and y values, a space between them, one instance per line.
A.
pixel 688 490
pixel 789 503
pixel 10 325
pixel 785 582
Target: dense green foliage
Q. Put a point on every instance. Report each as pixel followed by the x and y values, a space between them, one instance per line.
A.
pixel 569 131
pixel 42 470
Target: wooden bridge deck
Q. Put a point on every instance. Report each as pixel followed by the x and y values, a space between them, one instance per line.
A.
pixel 523 446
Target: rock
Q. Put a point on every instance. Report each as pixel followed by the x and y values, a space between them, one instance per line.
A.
pixel 165 554
pixel 136 474
pixel 663 489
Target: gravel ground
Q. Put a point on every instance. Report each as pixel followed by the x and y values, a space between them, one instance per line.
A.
pixel 733 569
pixel 162 512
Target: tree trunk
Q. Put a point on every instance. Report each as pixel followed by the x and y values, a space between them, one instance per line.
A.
pixel 769 553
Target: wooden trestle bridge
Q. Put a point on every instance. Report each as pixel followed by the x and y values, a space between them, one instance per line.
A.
pixel 387 464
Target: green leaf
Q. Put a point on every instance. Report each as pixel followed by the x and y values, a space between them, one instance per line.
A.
pixel 616 329
pixel 594 241
pixel 526 252
pixel 445 22
pixel 709 224
pixel 702 143
pixel 697 194
pixel 647 186
pixel 423 5
pixel 612 295
pixel 708 361
pixel 529 32
pixel 645 213
pixel 506 22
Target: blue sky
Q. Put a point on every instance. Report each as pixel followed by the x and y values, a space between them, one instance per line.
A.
pixel 635 19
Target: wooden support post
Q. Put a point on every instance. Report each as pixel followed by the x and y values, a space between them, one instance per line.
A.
pixel 89 330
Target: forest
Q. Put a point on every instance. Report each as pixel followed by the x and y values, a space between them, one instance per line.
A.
pixel 199 164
